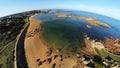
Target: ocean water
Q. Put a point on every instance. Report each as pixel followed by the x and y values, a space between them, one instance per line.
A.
pixel 96 32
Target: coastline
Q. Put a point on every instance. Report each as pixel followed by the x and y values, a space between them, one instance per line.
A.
pixel 32 43
pixel 36 49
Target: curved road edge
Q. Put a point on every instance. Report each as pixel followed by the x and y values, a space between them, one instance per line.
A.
pixel 19 54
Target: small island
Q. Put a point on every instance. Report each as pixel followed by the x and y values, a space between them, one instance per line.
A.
pixel 91 21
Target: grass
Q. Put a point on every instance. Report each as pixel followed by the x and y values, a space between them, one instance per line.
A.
pixel 98 65
pixel 103 53
pixel 7 52
pixel 114 57
pixel 9 30
pixel 7 55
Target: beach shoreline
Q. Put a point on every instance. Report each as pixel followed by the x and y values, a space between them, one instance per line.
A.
pixel 36 50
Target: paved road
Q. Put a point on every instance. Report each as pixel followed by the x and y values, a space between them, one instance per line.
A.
pixel 21 61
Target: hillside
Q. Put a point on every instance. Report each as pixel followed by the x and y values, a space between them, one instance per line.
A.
pixel 10 27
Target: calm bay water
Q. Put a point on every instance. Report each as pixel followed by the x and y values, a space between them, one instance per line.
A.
pixel 96 32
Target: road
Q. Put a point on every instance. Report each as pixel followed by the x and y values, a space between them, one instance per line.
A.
pixel 20 59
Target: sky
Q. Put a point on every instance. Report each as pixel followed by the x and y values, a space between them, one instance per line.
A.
pixel 109 8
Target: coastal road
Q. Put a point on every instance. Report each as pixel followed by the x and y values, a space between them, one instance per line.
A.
pixel 20 59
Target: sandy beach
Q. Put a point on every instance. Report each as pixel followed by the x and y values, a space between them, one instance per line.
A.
pixel 36 51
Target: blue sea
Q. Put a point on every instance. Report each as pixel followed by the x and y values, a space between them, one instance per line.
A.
pixel 96 32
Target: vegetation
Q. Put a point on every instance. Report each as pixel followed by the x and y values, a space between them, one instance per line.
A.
pixel 6 56
pixel 10 27
pixel 9 30
pixel 8 40
pixel 103 53
pixel 97 65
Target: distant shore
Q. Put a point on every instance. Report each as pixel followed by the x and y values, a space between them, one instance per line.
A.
pixel 91 21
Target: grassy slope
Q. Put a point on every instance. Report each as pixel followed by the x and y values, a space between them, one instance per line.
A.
pixel 103 53
pixel 7 52
pixel 114 57
pixel 98 65
pixel 6 56
pixel 9 30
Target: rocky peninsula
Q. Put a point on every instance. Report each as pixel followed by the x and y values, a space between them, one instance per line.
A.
pixel 91 21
